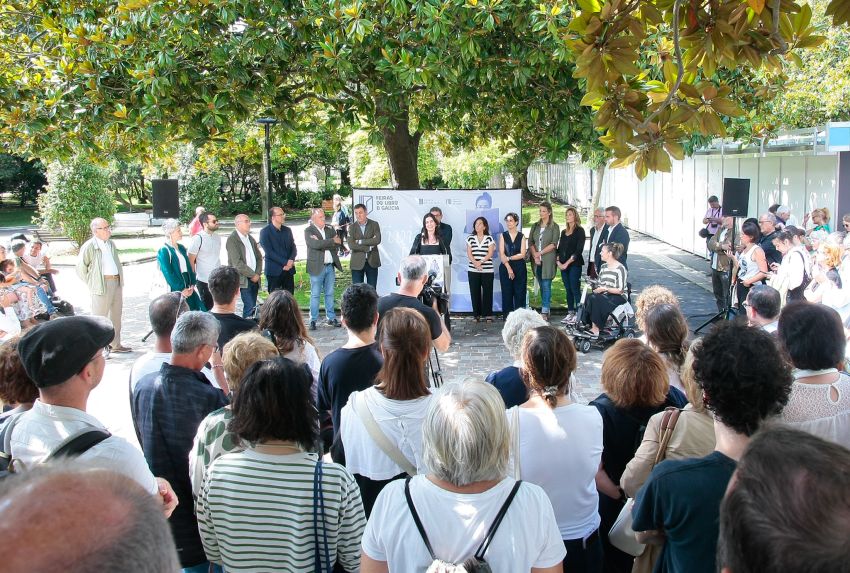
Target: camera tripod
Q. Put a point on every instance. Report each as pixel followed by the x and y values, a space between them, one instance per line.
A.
pixel 727 313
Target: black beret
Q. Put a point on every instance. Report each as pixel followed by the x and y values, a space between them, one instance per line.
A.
pixel 55 351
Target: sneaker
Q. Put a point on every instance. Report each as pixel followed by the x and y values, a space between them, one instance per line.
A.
pixel 121 349
pixel 335 323
pixel 312 325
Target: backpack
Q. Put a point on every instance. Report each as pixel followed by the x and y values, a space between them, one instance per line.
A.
pixel 476 563
pixel 73 446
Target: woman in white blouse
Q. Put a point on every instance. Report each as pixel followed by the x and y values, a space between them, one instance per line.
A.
pixel 557 444
pixel 380 427
pixel 813 337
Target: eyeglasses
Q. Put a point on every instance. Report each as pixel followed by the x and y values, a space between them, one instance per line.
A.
pixel 106 228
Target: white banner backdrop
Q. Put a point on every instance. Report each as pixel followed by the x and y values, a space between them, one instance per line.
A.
pixel 400 215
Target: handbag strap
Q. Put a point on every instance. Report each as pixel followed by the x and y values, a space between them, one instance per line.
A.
pixel 319 507
pixel 380 438
pixel 515 440
pixel 79 443
pixel 482 549
pixel 668 424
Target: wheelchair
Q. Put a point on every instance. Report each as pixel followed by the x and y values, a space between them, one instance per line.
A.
pixel 619 324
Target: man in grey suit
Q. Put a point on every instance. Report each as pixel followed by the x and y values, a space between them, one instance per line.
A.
pixel 322 259
pixel 243 254
pixel 364 236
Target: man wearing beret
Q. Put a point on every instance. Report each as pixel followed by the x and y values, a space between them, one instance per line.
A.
pixel 64 358
pixel 98 266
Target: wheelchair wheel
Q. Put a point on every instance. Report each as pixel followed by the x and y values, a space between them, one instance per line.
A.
pixel 577 343
pixel 584 345
pixel 629 334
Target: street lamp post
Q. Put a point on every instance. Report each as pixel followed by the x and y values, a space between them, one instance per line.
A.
pixel 267 122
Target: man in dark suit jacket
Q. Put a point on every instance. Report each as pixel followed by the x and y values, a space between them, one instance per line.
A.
pixel 364 236
pixel 322 246
pixel 279 247
pixel 593 257
pixel 614 232
pixel 243 254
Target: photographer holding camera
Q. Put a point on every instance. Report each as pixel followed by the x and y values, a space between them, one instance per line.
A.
pixel 412 278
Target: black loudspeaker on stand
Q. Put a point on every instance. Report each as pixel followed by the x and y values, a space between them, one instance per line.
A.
pixel 736 200
pixel 166 202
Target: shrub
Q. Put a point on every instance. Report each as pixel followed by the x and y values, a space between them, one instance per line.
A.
pixel 203 189
pixel 77 192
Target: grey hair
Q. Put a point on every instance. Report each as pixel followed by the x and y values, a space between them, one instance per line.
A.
pixel 465 436
pixel 783 209
pixel 55 497
pixel 94 222
pixel 770 217
pixel 519 322
pixel 413 268
pixel 199 209
pixel 170 226
pixel 192 330
pixel 316 211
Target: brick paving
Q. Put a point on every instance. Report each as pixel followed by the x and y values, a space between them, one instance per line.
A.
pixel 477 348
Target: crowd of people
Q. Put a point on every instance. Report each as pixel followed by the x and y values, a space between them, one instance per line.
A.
pixel 259 454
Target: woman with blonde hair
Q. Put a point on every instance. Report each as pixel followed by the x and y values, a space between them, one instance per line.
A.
pixel 557 444
pixel 649 298
pixel 634 378
pixel 173 261
pixel 570 260
pixel 543 245
pixel 213 439
pixel 393 408
pixel 825 275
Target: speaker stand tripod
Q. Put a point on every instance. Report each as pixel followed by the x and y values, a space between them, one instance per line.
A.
pixel 727 313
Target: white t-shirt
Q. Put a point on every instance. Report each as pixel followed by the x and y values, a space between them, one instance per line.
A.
pixel 400 420
pixel 207 249
pixel 560 450
pixel 250 258
pixel 107 261
pixel 9 324
pixel 43 428
pixel 457 523
pixel 307 355
pixel 152 362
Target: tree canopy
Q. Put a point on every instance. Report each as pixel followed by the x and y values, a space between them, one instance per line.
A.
pixel 125 76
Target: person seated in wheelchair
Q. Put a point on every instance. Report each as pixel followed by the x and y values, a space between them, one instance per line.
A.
pixel 609 292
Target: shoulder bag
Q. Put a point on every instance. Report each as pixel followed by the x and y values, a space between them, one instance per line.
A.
pixel 622 536
pixel 361 408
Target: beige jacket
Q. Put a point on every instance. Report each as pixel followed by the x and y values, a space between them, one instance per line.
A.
pixel 90 266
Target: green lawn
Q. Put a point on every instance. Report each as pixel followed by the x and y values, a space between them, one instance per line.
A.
pixel 16 216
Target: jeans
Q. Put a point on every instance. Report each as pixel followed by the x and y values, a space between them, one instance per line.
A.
pixel 203 568
pixel 513 291
pixel 545 290
pixel 481 293
pixel 370 273
pixel 572 284
pixel 285 281
pixel 720 286
pixel 42 296
pixel 249 298
pixel 324 280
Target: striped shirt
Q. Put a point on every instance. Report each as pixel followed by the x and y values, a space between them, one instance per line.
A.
pixel 255 513
pixel 613 278
pixel 479 251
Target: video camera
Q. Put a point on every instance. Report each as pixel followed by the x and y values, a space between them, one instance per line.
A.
pixel 430 291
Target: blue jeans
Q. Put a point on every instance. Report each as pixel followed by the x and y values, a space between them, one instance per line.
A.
pixel 42 296
pixel 572 284
pixel 202 568
pixel 369 272
pixel 545 290
pixel 324 280
pixel 249 298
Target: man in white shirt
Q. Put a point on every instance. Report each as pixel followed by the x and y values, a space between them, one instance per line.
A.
pixel 64 358
pixel 98 266
pixel 205 255
pixel 162 313
pixel 763 306
pixel 595 236
pixel 243 254
pixel 35 256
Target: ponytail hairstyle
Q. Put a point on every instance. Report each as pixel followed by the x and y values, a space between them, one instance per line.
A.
pixel 405 340
pixel 667 332
pixel 548 361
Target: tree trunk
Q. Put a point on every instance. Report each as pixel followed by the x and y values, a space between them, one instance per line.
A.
pixel 402 148
pixel 520 175
pixel 598 178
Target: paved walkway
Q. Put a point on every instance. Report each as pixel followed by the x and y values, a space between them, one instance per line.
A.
pixel 477 348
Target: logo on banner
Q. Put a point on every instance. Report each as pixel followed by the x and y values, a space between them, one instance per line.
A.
pixel 368 201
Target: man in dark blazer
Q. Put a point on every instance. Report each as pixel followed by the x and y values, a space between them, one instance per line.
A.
pixel 614 232
pixel 593 257
pixel 322 246
pixel 244 255
pixel 364 236
pixel 279 247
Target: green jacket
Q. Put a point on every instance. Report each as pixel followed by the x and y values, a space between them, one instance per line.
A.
pixel 550 237
pixel 90 265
